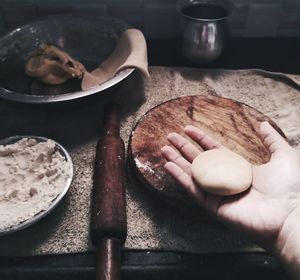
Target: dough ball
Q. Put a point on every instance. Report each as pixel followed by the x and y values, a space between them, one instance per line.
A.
pixel 222 172
pixel 52 66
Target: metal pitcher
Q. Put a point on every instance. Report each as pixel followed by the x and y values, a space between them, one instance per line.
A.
pixel 205 30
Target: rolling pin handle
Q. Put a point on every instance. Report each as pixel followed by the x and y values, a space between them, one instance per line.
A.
pixel 108 265
pixel 111 120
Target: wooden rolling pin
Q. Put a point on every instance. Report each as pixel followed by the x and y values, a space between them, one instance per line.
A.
pixel 109 226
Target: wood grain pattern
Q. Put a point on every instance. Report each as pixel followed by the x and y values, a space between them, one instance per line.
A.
pixel 109 224
pixel 109 202
pixel 233 124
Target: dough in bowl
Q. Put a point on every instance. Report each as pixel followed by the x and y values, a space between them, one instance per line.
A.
pixel 222 172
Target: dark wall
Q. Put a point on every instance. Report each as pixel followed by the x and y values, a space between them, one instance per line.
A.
pixel 159 18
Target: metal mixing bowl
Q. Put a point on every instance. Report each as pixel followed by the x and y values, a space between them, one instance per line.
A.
pixel 89 39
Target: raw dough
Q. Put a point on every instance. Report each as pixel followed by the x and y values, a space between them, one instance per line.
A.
pixel 51 65
pixel 222 172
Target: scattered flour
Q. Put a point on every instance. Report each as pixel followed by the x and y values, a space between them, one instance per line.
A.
pixel 146 166
pixel 32 175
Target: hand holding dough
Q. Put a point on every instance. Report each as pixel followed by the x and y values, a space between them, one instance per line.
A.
pixel 222 172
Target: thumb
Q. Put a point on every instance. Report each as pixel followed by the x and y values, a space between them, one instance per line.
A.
pixel 272 139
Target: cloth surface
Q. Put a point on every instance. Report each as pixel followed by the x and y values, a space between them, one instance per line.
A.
pixel 152 223
pixel 131 52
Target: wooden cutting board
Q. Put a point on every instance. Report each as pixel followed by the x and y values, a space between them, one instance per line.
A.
pixel 232 123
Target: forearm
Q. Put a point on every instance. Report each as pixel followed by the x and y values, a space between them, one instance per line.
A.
pixel 287 247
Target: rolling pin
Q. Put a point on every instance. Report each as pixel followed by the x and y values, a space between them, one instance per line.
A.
pixel 108 224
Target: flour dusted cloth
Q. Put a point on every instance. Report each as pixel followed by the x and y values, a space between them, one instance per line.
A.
pixel 152 225
pixel 131 52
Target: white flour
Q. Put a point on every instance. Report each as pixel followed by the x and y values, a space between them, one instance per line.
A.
pixel 32 174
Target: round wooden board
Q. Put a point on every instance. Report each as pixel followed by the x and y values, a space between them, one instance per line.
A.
pixel 232 123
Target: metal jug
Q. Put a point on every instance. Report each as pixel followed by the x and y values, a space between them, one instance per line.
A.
pixel 204 30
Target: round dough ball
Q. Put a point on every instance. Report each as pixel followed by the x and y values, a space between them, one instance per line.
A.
pixel 222 172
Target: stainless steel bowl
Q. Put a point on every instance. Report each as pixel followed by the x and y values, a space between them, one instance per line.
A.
pixel 89 39
pixel 204 30
pixel 55 201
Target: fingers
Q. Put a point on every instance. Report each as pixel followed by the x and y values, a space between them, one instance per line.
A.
pixel 180 175
pixel 180 169
pixel 172 156
pixel 272 139
pixel 200 137
pixel 186 181
pixel 187 149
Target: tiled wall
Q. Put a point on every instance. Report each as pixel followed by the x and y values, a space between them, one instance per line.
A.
pixel 159 18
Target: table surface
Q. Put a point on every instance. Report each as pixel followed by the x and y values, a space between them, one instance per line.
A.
pixel 274 54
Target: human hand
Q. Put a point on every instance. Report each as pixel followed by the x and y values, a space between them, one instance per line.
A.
pixel 266 211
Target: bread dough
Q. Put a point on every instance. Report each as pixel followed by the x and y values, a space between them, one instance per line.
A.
pixel 52 66
pixel 222 172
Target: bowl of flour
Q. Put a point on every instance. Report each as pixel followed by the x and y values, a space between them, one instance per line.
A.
pixel 35 174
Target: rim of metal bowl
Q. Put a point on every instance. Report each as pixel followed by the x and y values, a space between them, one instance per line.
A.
pixel 31 98
pixel 224 4
pixel 57 199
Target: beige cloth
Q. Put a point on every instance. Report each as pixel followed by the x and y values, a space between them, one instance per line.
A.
pixel 293 80
pixel 152 224
pixel 131 52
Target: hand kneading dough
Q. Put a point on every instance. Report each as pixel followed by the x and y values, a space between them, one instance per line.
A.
pixel 222 172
